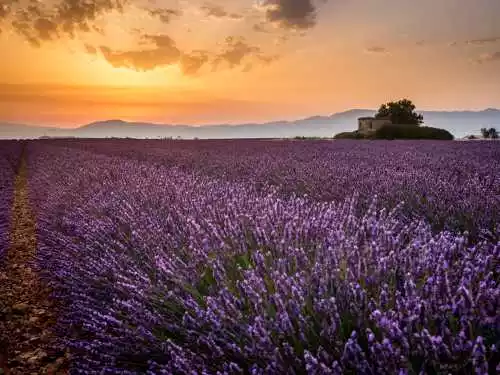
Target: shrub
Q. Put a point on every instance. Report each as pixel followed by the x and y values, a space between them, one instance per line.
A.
pixel 304 138
pixel 349 135
pixel 412 132
pixel 490 133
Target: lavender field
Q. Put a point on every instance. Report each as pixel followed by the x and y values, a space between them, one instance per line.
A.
pixel 268 257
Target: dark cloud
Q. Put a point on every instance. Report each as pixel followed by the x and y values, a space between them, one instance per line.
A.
pixel 25 30
pixel 191 63
pixel 214 10
pixel 33 24
pixel 291 14
pixel 164 15
pixel 79 15
pixel 236 50
pixel 489 57
pixel 6 8
pixel 377 49
pixel 165 53
pixel 38 22
pixel 4 11
pixel 141 60
pixel 161 41
pixel 45 29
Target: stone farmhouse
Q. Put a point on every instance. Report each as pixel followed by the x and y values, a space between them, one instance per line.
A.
pixel 367 125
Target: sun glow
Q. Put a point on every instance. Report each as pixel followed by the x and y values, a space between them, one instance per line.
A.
pixel 102 73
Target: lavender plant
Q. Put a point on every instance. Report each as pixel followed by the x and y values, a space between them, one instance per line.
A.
pixel 165 269
pixel 453 185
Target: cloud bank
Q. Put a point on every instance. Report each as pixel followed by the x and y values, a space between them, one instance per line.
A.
pixel 235 52
pixel 39 21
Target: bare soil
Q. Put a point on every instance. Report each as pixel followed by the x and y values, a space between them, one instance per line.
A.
pixel 27 313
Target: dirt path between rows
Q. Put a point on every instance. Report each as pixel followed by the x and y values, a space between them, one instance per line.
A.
pixel 27 314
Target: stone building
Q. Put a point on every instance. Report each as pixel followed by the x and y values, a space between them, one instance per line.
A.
pixel 368 125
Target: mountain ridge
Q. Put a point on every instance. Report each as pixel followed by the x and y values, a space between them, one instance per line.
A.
pixel 458 122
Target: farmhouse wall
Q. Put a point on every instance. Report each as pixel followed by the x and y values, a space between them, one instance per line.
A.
pixel 371 124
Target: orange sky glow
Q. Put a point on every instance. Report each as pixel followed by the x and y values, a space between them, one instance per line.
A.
pixel 71 62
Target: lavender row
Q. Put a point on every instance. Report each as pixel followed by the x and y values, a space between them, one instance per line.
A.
pixel 164 270
pixel 9 158
pixel 454 185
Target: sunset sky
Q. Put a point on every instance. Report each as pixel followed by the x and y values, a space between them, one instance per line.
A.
pixel 70 62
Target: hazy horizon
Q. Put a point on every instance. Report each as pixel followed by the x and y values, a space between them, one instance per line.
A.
pixel 458 123
pixel 203 62
pixel 234 123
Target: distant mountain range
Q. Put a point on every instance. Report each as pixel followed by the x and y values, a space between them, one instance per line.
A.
pixel 459 123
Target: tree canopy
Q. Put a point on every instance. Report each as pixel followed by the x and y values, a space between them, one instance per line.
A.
pixel 401 112
pixel 489 133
